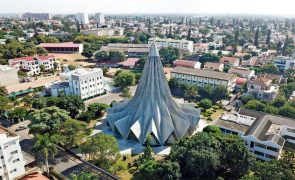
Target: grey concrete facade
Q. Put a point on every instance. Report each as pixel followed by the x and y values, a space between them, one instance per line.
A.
pixel 152 110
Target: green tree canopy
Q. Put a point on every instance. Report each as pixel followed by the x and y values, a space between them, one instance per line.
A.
pixel 208 57
pixel 269 68
pixel 101 149
pixel 273 170
pixel 117 56
pixel 72 133
pixel 205 103
pixel 102 55
pixel 97 109
pixel 48 120
pixel 124 79
pixel 169 54
pixel 255 105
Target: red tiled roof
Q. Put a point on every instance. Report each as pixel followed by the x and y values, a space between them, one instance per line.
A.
pixel 241 81
pixel 228 59
pixel 184 63
pixel 60 45
pixel 33 58
pixel 129 62
pixel 34 176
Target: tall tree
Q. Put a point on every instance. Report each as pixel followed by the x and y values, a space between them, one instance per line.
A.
pixel 268 36
pixel 237 36
pixel 256 38
pixel 189 33
pixel 149 26
pixel 285 45
pixel 44 147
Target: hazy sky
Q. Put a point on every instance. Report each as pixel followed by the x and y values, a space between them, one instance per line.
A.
pixel 270 7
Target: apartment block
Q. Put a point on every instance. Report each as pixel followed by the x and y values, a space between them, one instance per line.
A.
pixel 12 164
pixel 201 77
pixel 180 44
pixel 31 64
pixel 86 83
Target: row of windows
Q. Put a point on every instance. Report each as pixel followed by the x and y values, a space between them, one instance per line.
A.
pixel 93 85
pixel 228 131
pixel 196 81
pixel 91 92
pixel 267 147
pixel 178 76
pixel 264 155
pixel 90 80
pixel 291 130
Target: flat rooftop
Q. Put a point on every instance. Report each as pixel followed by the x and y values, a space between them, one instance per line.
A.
pixel 231 125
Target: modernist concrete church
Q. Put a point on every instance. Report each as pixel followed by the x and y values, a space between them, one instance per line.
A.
pixel 152 110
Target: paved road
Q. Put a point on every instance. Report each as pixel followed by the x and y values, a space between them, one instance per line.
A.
pixel 110 97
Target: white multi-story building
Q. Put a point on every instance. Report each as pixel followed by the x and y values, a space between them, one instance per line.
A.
pixel 264 134
pixel 262 88
pixel 86 83
pixel 12 164
pixel 284 63
pixel 180 44
pixel 82 18
pixel 32 64
pixel 104 31
pixel 202 78
pixel 99 19
pixel 8 75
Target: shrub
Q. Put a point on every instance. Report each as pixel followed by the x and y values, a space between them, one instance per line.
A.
pixel 206 103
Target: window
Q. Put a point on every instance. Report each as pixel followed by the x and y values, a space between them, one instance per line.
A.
pixel 270 156
pixel 223 130
pixel 13 152
pixel 259 153
pixel 260 145
pixel 252 144
pixel 272 149
pixel 234 133
pixel 12 171
pixel 16 160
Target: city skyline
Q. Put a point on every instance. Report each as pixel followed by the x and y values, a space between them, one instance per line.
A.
pixel 272 7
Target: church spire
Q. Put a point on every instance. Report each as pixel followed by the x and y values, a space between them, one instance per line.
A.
pixel 153 50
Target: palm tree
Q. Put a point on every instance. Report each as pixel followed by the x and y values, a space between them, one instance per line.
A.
pixel 44 147
pixel 191 92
